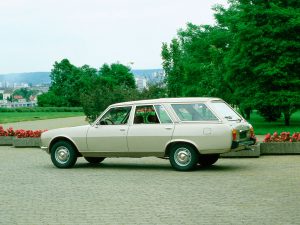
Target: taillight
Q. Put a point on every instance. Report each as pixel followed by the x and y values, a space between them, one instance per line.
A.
pixel 234 134
pixel 252 135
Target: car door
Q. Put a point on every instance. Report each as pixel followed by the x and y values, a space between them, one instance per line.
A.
pixel 151 129
pixel 109 134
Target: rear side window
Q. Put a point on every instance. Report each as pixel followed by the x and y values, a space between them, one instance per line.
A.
pixel 227 112
pixel 194 112
pixel 145 115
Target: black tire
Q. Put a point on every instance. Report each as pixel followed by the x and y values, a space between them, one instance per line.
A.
pixel 183 157
pixel 208 160
pixel 94 160
pixel 63 154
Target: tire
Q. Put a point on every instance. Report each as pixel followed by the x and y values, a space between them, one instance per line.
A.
pixel 94 160
pixel 183 157
pixel 63 154
pixel 208 160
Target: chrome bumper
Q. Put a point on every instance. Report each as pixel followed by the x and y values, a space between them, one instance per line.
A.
pixel 244 145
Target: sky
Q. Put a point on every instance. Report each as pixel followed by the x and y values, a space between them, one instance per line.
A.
pixel 36 33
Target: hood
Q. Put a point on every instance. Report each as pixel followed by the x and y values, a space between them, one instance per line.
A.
pixel 67 131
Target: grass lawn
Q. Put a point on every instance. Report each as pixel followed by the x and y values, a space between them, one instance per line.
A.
pixel 262 127
pixel 10 117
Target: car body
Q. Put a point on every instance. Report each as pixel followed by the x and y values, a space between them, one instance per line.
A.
pixel 188 131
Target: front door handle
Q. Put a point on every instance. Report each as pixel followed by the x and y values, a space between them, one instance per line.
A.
pixel 168 128
pixel 122 129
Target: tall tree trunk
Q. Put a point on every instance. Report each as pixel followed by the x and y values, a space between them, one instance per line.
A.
pixel 287 117
pixel 248 112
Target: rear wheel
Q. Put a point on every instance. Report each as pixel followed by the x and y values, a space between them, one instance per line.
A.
pixel 183 157
pixel 208 160
pixel 94 160
pixel 63 154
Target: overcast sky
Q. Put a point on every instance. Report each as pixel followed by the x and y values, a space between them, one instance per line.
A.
pixel 36 33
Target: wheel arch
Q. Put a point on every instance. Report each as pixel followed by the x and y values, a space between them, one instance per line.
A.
pixel 66 139
pixel 174 142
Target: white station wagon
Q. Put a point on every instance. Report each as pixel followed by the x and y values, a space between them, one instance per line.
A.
pixel 188 131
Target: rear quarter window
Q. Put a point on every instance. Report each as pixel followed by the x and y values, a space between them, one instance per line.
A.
pixel 194 112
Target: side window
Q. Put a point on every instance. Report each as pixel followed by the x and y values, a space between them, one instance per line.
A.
pixel 194 112
pixel 116 116
pixel 162 114
pixel 145 115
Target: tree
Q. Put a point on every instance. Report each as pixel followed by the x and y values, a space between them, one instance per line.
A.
pixel 68 82
pixel 115 83
pixel 117 75
pixel 263 64
pixel 154 90
pixel 172 65
pixel 193 62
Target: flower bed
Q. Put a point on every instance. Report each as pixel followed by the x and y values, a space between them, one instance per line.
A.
pixel 26 142
pixel 6 140
pixel 20 138
pixel 6 136
pixel 283 143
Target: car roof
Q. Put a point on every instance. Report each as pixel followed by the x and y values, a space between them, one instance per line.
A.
pixel 168 100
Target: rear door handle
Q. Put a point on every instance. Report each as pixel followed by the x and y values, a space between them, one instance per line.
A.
pixel 168 128
pixel 122 129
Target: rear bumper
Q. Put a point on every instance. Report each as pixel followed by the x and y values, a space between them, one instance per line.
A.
pixel 242 145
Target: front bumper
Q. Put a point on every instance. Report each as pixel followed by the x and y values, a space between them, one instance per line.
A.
pixel 242 145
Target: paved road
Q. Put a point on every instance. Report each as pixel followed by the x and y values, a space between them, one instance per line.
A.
pixel 263 190
pixel 147 191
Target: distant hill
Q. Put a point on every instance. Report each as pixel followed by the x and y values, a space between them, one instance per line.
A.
pixel 35 78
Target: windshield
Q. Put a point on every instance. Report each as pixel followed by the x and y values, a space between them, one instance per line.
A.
pixel 225 111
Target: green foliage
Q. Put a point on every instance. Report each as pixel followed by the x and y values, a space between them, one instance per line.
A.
pixel 25 93
pixel 154 90
pixel 193 62
pixel 50 99
pixel 250 58
pixel 117 75
pixel 262 65
pixel 1 96
pixel 114 84
pixel 172 64
pixel 68 82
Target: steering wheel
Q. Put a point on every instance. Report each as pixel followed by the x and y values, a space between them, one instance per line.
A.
pixel 109 122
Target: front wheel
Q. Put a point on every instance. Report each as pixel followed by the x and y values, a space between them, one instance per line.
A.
pixel 63 154
pixel 94 160
pixel 183 157
pixel 208 160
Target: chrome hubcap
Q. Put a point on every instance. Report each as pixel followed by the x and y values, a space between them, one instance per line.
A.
pixel 182 156
pixel 62 154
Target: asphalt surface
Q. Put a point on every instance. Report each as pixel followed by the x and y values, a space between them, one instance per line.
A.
pixel 263 190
